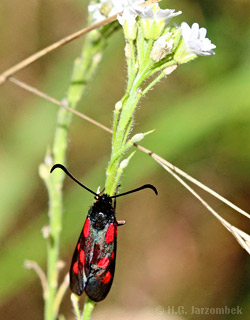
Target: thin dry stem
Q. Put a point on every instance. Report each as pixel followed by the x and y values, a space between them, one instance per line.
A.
pixel 26 62
pixel 57 102
pixel 34 265
pixel 242 238
pixel 143 149
pixel 60 294
pixel 36 56
pixel 193 180
pixel 75 302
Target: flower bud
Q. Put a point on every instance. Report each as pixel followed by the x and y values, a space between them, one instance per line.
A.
pixel 124 164
pixel 162 47
pixel 170 69
pixel 128 21
pixel 137 137
pixel 118 105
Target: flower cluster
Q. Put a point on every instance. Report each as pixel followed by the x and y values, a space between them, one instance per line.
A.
pixel 183 42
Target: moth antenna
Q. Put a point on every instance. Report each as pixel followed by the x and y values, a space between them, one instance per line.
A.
pixel 60 166
pixel 146 186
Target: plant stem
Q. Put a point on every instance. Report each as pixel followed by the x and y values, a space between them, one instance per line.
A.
pixel 75 299
pixel 83 70
pixel 88 308
pixel 123 122
pixel 54 185
pixel 118 139
pixel 157 79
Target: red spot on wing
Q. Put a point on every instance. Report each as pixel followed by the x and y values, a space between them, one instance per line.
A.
pixel 110 233
pixel 75 268
pixel 78 246
pixel 106 278
pixel 86 228
pixel 82 257
pixel 103 263
pixel 113 255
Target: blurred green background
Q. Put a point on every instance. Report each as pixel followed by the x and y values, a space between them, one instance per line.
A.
pixel 171 252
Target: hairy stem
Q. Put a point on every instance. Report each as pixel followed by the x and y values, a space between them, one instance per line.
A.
pixel 118 140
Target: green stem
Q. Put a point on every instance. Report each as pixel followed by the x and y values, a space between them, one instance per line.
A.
pixel 157 79
pixel 55 213
pixel 132 51
pixel 148 46
pixel 120 171
pixel 162 67
pixel 116 118
pixel 83 70
pixel 88 309
pixel 123 125
pixel 54 185
pixel 127 131
pixel 121 151
pixel 119 143
pixel 131 65
pixel 140 46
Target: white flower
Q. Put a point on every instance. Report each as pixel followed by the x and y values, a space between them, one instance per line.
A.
pixel 107 8
pixel 154 13
pixel 128 14
pixel 162 47
pixel 128 21
pixel 195 40
pixel 154 19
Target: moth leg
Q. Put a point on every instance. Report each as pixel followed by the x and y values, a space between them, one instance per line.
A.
pixel 121 223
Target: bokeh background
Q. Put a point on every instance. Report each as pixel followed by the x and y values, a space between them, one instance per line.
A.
pixel 171 252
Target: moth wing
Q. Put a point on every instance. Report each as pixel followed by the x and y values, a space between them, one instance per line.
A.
pixel 80 265
pixel 102 268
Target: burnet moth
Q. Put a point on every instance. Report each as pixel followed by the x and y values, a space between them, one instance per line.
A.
pixel 93 263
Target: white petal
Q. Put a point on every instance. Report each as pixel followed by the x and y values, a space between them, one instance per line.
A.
pixel 195 31
pixel 203 32
pixel 145 13
pixel 195 40
pixel 166 14
pixel 185 29
pixel 128 14
pixel 120 19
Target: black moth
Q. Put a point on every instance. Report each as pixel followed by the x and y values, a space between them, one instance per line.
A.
pixel 93 263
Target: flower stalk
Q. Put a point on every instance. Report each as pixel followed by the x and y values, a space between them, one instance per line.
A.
pixel 152 49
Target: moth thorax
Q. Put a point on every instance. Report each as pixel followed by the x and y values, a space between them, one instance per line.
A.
pixel 100 221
